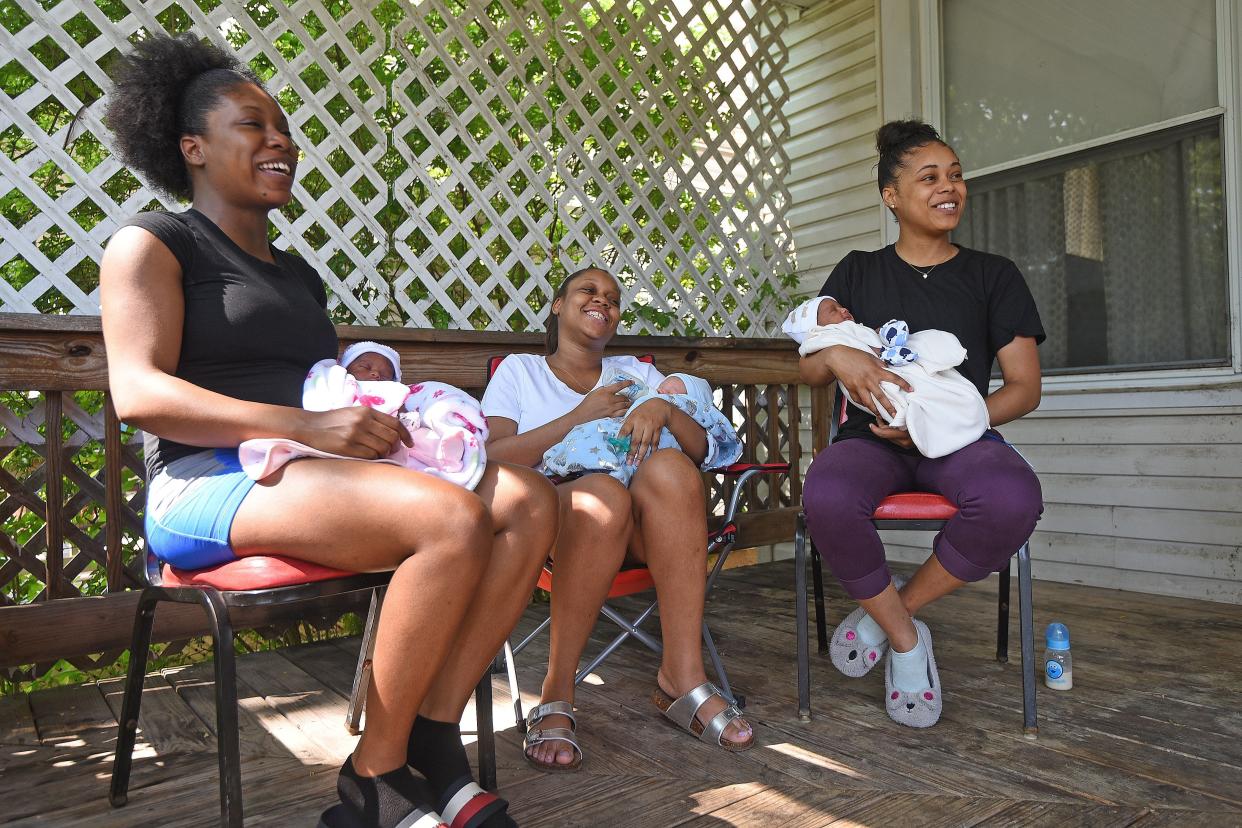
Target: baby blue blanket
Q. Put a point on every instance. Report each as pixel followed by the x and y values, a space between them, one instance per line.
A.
pixel 595 447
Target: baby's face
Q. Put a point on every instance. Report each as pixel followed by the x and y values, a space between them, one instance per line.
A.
pixel 371 367
pixel 671 385
pixel 830 312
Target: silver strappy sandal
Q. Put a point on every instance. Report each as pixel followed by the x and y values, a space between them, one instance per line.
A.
pixel 684 713
pixel 536 736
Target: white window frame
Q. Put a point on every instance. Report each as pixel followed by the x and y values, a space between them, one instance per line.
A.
pixel 1206 382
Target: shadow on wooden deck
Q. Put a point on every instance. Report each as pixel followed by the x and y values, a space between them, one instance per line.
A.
pixel 1150 735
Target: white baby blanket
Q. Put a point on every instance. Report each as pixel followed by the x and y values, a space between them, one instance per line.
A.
pixel 446 425
pixel 944 413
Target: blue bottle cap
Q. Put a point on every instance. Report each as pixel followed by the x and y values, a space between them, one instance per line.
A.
pixel 1058 637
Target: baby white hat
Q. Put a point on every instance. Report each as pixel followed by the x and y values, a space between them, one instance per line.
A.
pixel 359 348
pixel 802 318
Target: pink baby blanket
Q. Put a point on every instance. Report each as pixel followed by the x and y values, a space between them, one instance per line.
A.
pixel 446 425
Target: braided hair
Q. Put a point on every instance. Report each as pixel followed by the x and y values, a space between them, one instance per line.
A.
pixel 164 89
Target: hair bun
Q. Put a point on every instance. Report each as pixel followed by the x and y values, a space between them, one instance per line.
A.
pixel 899 135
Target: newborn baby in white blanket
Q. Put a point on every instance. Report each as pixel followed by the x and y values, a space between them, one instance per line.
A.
pixel 943 413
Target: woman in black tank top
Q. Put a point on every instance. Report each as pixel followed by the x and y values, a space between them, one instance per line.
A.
pixel 206 368
pixel 928 282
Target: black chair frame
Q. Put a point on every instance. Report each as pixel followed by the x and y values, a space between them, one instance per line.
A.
pixel 1030 725
pixel 217 603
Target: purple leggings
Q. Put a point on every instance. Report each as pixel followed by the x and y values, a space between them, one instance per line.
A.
pixel 996 493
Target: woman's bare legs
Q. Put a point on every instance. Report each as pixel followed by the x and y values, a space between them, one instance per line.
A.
pixel 523 505
pixel 670 537
pixel 596 524
pixel 437 538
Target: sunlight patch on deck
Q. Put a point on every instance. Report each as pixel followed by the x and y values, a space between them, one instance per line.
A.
pixel 816 759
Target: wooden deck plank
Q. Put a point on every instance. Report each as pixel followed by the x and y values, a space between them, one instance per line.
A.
pixel 1068 816
pixel 165 721
pixel 17 726
pixel 801 806
pixel 328 661
pixel 196 685
pixel 69 714
pixel 305 704
pixel 1162 754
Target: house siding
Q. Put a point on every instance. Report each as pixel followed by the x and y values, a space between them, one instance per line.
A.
pixel 1142 488
pixel 833 113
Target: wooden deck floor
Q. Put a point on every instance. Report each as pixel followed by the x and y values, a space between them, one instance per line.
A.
pixel 1151 734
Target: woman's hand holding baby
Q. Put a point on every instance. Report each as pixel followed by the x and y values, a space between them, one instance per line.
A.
pixel 643 427
pixel 603 402
pixel 860 374
pixel 356 431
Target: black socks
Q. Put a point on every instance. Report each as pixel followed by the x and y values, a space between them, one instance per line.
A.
pixel 435 750
pixel 384 800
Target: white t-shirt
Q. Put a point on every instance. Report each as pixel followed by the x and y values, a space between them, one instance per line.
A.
pixel 525 390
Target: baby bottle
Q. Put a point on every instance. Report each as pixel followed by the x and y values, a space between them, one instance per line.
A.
pixel 1058 669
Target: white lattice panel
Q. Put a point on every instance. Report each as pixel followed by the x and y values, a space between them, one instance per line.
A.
pixel 459 158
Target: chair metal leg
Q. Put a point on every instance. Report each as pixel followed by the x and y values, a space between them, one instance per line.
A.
pixel 511 668
pixel 1002 617
pixel 362 674
pixel 722 678
pixel 800 612
pixel 628 628
pixel 821 614
pixel 543 625
pixel 226 708
pixel 1030 723
pixel 139 647
pixel 486 733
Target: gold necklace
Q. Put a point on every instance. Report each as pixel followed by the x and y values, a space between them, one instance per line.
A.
pixel 571 382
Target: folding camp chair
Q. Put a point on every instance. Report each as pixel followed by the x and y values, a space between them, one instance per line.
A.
pixel 911 511
pixel 630 581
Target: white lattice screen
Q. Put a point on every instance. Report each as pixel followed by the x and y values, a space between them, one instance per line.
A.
pixel 459 157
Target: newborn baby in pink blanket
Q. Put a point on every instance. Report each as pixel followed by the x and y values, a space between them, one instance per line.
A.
pixel 446 425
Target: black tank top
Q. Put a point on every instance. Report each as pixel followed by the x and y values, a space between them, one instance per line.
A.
pixel 252 329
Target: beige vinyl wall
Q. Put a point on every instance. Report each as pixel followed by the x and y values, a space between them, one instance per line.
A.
pixel 1142 474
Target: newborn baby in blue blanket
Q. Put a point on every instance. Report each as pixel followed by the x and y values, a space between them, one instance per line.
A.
pixel 595 447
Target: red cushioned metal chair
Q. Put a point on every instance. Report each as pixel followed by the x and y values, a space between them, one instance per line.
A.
pixel 247 582
pixel 632 580
pixel 911 511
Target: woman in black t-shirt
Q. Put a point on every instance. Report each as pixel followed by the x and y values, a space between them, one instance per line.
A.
pixel 929 282
pixel 210 331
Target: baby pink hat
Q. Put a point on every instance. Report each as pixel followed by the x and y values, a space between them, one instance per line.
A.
pixel 359 348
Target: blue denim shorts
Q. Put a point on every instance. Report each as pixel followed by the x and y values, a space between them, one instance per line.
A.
pixel 191 504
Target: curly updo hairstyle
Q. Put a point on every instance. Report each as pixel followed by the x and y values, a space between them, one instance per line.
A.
pixel 895 140
pixel 551 338
pixel 164 89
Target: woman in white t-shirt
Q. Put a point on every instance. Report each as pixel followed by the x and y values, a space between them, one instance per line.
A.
pixel 660 520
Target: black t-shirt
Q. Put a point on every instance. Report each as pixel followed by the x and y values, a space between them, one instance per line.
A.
pixel 979 297
pixel 252 329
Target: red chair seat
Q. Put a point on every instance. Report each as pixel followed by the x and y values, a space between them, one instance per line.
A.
pixel 914 506
pixel 253 572
pixel 627 582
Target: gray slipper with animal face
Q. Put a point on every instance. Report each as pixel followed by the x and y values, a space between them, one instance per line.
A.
pixel 847 651
pixel 921 708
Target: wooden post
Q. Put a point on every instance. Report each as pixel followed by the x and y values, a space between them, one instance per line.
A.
pixel 821 413
pixel 53 447
pixel 795 445
pixel 113 500
pixel 773 393
pixel 752 443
